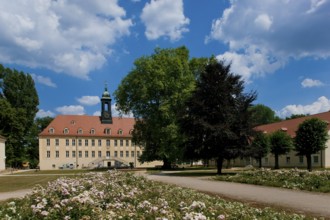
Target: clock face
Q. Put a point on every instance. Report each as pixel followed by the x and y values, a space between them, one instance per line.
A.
pixel 106 114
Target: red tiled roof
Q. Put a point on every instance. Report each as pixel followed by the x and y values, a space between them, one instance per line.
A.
pixel 291 126
pixel 75 122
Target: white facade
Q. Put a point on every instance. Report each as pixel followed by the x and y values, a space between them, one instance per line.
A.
pixel 2 153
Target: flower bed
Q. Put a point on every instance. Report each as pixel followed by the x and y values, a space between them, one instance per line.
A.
pixel 121 195
pixel 318 181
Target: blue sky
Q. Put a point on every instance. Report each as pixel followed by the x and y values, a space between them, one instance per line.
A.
pixel 281 48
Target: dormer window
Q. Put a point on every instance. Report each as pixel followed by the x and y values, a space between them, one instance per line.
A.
pixel 92 131
pixel 51 130
pixel 107 131
pixel 73 122
pixel 120 132
pixel 80 131
pixel 131 131
pixel 284 129
pixel 66 131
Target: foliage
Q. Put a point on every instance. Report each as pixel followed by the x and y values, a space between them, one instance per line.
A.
pixel 216 120
pixel 311 137
pixel 154 91
pixel 262 114
pixel 259 147
pixel 116 195
pixel 18 107
pixel 317 181
pixel 280 143
pixel 293 116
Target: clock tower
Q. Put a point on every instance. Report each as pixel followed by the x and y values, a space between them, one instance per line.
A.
pixel 106 116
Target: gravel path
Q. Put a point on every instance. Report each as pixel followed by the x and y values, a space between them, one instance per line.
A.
pixel 14 194
pixel 317 204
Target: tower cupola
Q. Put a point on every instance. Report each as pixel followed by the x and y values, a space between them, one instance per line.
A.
pixel 106 116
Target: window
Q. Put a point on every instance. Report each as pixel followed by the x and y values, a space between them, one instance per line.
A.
pixel 66 131
pixel 108 153
pixel 127 153
pixel 57 154
pixel 73 122
pixel 86 142
pixel 120 132
pixel 67 142
pixel 86 153
pixel 80 154
pixel 48 154
pixel 138 153
pixel 92 131
pixel 48 142
pixel 73 142
pixel 116 154
pixel 116 143
pixel 121 154
pixel 266 160
pixel 57 142
pixel 316 159
pixel 132 153
pixel 100 143
pixel 93 143
pixel 130 132
pixel 127 143
pixel 301 159
pixel 288 160
pixel 108 143
pixel 107 131
pixel 93 153
pixel 73 153
pixel 79 142
pixel 121 143
pixel 80 131
pixel 100 154
pixel 51 130
pixel 67 154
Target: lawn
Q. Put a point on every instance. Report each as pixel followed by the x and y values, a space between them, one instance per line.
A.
pixel 122 195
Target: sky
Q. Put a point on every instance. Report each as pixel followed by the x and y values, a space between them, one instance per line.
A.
pixel 281 48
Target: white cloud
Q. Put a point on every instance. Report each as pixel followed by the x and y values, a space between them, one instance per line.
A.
pixel 164 18
pixel 73 37
pixel 43 80
pixel 263 35
pixel 322 104
pixel 42 113
pixel 89 100
pixel 97 113
pixel 71 110
pixel 307 83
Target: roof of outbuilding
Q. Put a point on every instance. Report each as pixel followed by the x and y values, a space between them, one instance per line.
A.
pixel 291 126
pixel 75 122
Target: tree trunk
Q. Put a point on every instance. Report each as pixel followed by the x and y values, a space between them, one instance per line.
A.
pixel 219 165
pixel 260 162
pixel 309 162
pixel 166 164
pixel 276 162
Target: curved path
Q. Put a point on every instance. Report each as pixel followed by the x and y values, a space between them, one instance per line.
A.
pixel 317 204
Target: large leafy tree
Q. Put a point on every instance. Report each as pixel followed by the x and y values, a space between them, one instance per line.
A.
pixel 216 121
pixel 154 91
pixel 259 147
pixel 311 137
pixel 280 144
pixel 262 114
pixel 18 107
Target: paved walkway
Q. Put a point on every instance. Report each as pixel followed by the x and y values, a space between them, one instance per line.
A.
pixel 317 204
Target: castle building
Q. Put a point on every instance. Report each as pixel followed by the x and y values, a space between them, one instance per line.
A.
pixel 82 141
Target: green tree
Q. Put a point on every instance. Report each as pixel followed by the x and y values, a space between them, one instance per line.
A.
pixel 311 137
pixel 262 114
pixel 216 121
pixel 293 116
pixel 154 91
pixel 259 147
pixel 280 143
pixel 18 105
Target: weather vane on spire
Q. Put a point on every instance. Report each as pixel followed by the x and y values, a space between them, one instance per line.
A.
pixel 106 85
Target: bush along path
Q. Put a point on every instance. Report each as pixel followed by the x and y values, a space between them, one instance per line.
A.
pixel 316 181
pixel 118 195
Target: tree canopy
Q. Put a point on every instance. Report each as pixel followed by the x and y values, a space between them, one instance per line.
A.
pixel 18 107
pixel 154 91
pixel 262 114
pixel 311 137
pixel 259 147
pixel 280 143
pixel 216 121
